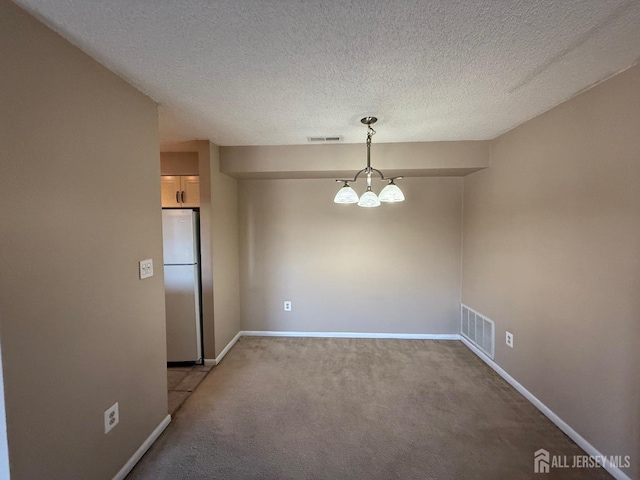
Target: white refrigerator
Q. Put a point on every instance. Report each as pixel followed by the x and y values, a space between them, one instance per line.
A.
pixel 182 285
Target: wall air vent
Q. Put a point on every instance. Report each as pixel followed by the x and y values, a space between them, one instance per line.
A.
pixel 335 138
pixel 478 329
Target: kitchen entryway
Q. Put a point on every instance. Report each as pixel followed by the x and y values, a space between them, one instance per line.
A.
pixel 182 381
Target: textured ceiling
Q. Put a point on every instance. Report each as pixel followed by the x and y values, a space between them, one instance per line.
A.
pixel 267 72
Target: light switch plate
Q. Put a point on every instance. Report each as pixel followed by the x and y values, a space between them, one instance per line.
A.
pixel 146 268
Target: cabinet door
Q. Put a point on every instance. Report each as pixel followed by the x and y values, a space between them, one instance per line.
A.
pixel 170 188
pixel 190 191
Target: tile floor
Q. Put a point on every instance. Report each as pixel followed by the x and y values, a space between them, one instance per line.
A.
pixel 182 381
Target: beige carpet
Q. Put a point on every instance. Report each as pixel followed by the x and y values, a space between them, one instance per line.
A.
pixel 302 408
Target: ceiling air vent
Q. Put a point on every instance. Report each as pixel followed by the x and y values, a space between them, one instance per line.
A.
pixel 335 138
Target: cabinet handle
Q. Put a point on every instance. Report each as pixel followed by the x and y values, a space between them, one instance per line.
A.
pixel 182 196
pixel 177 197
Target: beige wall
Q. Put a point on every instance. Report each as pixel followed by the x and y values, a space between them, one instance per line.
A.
pixel 343 160
pixel 80 208
pixel 394 269
pixel 225 253
pixel 552 254
pixel 179 163
pixel 206 250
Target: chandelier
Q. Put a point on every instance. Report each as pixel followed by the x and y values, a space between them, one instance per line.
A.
pixel 389 194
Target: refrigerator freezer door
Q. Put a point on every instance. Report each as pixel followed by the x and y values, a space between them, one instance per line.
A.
pixel 183 313
pixel 179 236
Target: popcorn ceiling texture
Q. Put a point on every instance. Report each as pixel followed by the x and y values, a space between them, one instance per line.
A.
pixel 275 72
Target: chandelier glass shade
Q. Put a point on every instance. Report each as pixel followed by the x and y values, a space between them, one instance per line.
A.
pixel 369 199
pixel 346 195
pixel 391 193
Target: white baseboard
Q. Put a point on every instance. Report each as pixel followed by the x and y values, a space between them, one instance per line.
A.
pixel 271 333
pixel 561 424
pixel 124 471
pixel 406 336
pixel 212 362
pixel 226 349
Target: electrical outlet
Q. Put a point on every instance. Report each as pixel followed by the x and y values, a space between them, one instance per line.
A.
pixel 287 306
pixel 146 268
pixel 509 339
pixel 111 418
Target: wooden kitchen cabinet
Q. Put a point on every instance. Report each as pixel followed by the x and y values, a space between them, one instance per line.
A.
pixel 180 191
